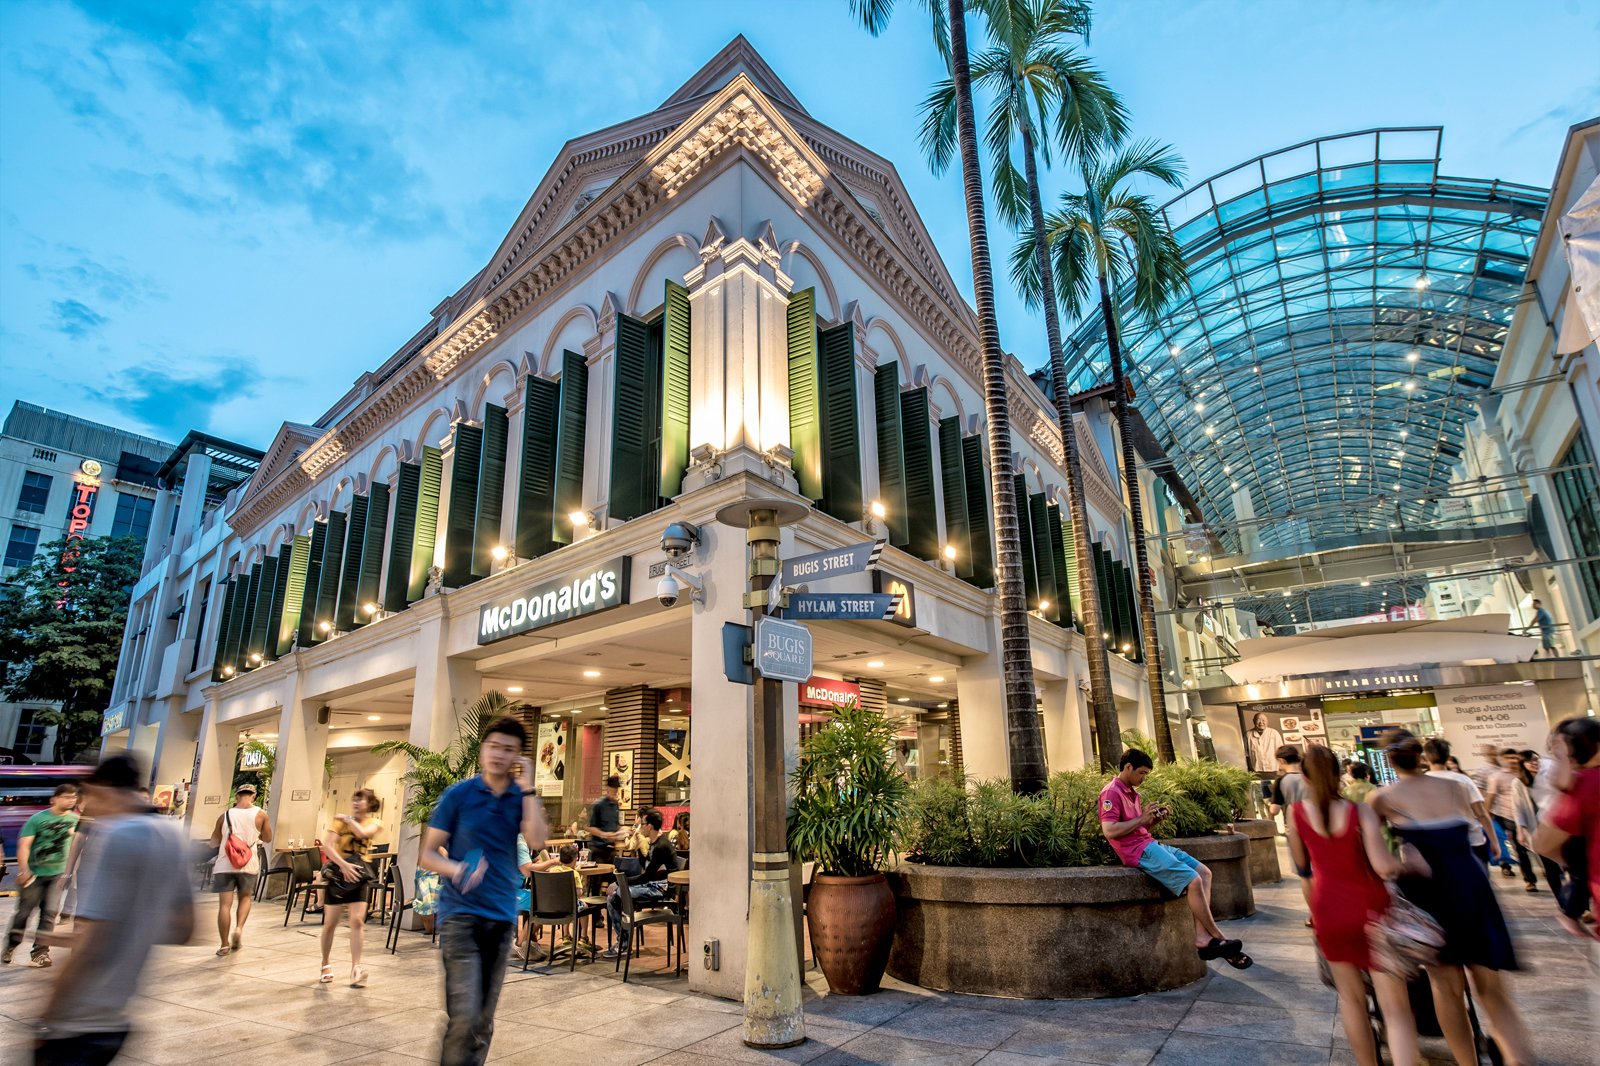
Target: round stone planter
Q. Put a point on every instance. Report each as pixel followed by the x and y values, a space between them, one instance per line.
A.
pixel 1228 856
pixel 1080 933
pixel 1263 836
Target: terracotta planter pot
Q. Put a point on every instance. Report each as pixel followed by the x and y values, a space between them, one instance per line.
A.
pixel 852 926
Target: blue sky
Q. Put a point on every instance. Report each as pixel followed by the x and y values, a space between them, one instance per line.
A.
pixel 216 216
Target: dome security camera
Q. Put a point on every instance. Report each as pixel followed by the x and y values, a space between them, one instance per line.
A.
pixel 672 584
pixel 667 590
pixel 679 539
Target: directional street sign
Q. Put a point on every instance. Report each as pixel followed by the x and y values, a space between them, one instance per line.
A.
pixel 836 562
pixel 837 605
pixel 783 650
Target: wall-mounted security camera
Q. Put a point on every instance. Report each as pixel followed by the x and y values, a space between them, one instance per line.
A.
pixel 672 584
pixel 679 539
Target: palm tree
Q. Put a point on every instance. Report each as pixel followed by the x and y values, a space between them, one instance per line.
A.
pixel 1024 737
pixel 431 772
pixel 1108 236
pixel 1036 83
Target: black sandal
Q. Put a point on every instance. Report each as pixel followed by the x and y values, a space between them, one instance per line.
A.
pixel 1220 949
pixel 1241 961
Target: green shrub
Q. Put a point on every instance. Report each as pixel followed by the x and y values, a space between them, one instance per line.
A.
pixel 985 824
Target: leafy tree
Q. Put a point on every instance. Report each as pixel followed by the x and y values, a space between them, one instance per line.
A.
pixel 1104 238
pixel 1042 93
pixel 61 629
pixel 1024 736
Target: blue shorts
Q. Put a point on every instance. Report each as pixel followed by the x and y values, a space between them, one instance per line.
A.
pixel 1175 869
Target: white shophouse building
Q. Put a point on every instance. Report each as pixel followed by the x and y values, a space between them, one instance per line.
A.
pixel 719 300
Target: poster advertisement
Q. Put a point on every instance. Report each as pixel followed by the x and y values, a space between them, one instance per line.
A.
pixel 550 768
pixel 1268 726
pixel 1506 716
pixel 620 764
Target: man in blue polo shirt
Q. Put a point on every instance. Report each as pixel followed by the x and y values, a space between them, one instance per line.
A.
pixel 476 822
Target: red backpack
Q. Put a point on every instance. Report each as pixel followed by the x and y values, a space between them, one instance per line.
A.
pixel 233 845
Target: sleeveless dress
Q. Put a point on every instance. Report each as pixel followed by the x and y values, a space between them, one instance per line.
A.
pixel 1458 895
pixel 1346 896
pixel 355 851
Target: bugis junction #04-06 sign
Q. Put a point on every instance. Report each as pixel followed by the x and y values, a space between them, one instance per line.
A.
pixel 595 589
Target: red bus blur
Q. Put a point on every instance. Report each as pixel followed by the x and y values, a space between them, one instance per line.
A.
pixel 25 791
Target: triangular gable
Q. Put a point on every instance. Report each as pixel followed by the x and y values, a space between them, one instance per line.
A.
pixel 739 57
pixel 292 439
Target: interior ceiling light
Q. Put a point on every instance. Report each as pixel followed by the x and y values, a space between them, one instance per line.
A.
pixel 1199 407
pixel 1413 355
pixel 937 680
pixel 1227 470
pixel 591 673
pixel 903 699
pixel 1211 431
pixel 876 664
pixel 374 718
pixel 1235 484
pixel 1174 350
pixel 1411 386
pixel 514 688
pixel 1422 281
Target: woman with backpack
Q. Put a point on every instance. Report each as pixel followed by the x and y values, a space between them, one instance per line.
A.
pixel 1339 842
pixel 346 877
pixel 238 864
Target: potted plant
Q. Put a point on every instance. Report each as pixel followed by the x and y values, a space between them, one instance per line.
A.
pixel 850 805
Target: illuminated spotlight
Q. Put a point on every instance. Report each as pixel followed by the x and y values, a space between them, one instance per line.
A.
pixel 1211 431
pixel 1404 433
pixel 1413 355
pixel 325 626
pixel 1366 584
pixel 1199 408
pixel 499 553
pixel 1235 484
pixel 227 671
pixel 370 608
pixel 1422 281
pixel 1175 350
pixel 1227 469
pixel 579 519
pixel 950 552
pixel 255 656
pixel 1126 648
pixel 1411 386
pixel 877 509
pixel 1044 605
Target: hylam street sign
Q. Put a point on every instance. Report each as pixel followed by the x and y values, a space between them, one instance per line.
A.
pixel 783 650
pixel 831 606
pixel 836 562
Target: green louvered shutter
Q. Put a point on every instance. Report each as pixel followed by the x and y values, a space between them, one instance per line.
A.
pixel 491 489
pixel 462 518
pixel 632 427
pixel 955 494
pixel 280 589
pixel 570 436
pixel 370 569
pixel 1040 519
pixel 328 579
pixel 978 528
pixel 219 650
pixel 408 479
pixel 674 390
pixel 805 410
pixel 536 515
pixel 841 423
pixel 345 608
pixel 922 510
pixel 1129 610
pixel 234 652
pixel 426 532
pixel 891 452
pixel 308 603
pixel 1030 570
pixel 293 594
pixel 1070 561
pixel 1110 614
pixel 255 617
pixel 1065 597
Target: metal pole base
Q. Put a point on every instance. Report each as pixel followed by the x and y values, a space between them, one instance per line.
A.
pixel 773 1017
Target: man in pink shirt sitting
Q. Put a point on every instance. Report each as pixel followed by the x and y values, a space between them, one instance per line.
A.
pixel 1126 824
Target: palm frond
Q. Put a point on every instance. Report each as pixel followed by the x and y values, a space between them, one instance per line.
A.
pixel 938 135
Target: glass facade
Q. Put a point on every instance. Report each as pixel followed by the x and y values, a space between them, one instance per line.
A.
pixel 1347 303
pixel 20 548
pixel 133 516
pixel 35 494
pixel 1578 497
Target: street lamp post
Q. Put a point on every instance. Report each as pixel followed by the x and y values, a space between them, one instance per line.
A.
pixel 773 1017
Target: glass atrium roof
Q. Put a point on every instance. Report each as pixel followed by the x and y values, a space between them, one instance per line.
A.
pixel 1347 304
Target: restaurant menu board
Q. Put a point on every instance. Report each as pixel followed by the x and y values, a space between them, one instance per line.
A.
pixel 550 768
pixel 1270 725
pixel 1506 716
pixel 620 764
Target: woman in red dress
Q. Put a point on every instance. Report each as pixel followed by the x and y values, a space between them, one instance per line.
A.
pixel 1338 847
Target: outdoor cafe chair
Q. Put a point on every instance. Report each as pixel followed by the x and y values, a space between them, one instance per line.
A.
pixel 381 891
pixel 555 905
pixel 634 921
pixel 282 866
pixel 303 884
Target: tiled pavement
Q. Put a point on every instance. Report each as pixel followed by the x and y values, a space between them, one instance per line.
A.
pixel 264 1006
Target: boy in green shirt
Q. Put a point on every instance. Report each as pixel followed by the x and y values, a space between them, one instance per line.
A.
pixel 42 849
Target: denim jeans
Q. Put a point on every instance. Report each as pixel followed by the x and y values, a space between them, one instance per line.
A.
pixel 42 894
pixel 475 950
pixel 646 893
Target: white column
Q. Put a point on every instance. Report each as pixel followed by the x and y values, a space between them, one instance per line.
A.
pixel 159 541
pixel 513 483
pixel 175 744
pixel 191 508
pixel 447 469
pixel 209 793
pixel 983 723
pixel 298 779
pixel 1063 726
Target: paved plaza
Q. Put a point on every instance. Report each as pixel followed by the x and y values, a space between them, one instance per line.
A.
pixel 263 1006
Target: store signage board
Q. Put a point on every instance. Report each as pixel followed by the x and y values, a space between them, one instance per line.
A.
pixel 832 606
pixel 905 612
pixel 836 562
pixel 783 650
pixel 114 721
pixel 826 692
pixel 595 588
pixel 1505 716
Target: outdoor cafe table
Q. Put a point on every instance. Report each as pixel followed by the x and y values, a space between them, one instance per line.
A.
pixel 678 877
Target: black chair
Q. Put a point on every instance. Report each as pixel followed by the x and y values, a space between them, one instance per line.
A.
pixel 555 905
pixel 281 866
pixel 380 893
pixel 396 887
pixel 303 884
pixel 634 921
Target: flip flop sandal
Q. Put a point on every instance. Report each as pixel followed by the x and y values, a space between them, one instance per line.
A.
pixel 1214 950
pixel 1240 961
pixel 223 951
pixel 358 978
pixel 327 976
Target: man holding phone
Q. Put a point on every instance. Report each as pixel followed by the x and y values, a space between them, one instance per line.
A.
pixel 471 843
pixel 1126 824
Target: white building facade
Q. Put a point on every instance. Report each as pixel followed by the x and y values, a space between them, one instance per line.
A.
pixel 721 300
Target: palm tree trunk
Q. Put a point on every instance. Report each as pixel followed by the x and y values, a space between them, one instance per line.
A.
pixel 1130 476
pixel 1024 737
pixel 1102 711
